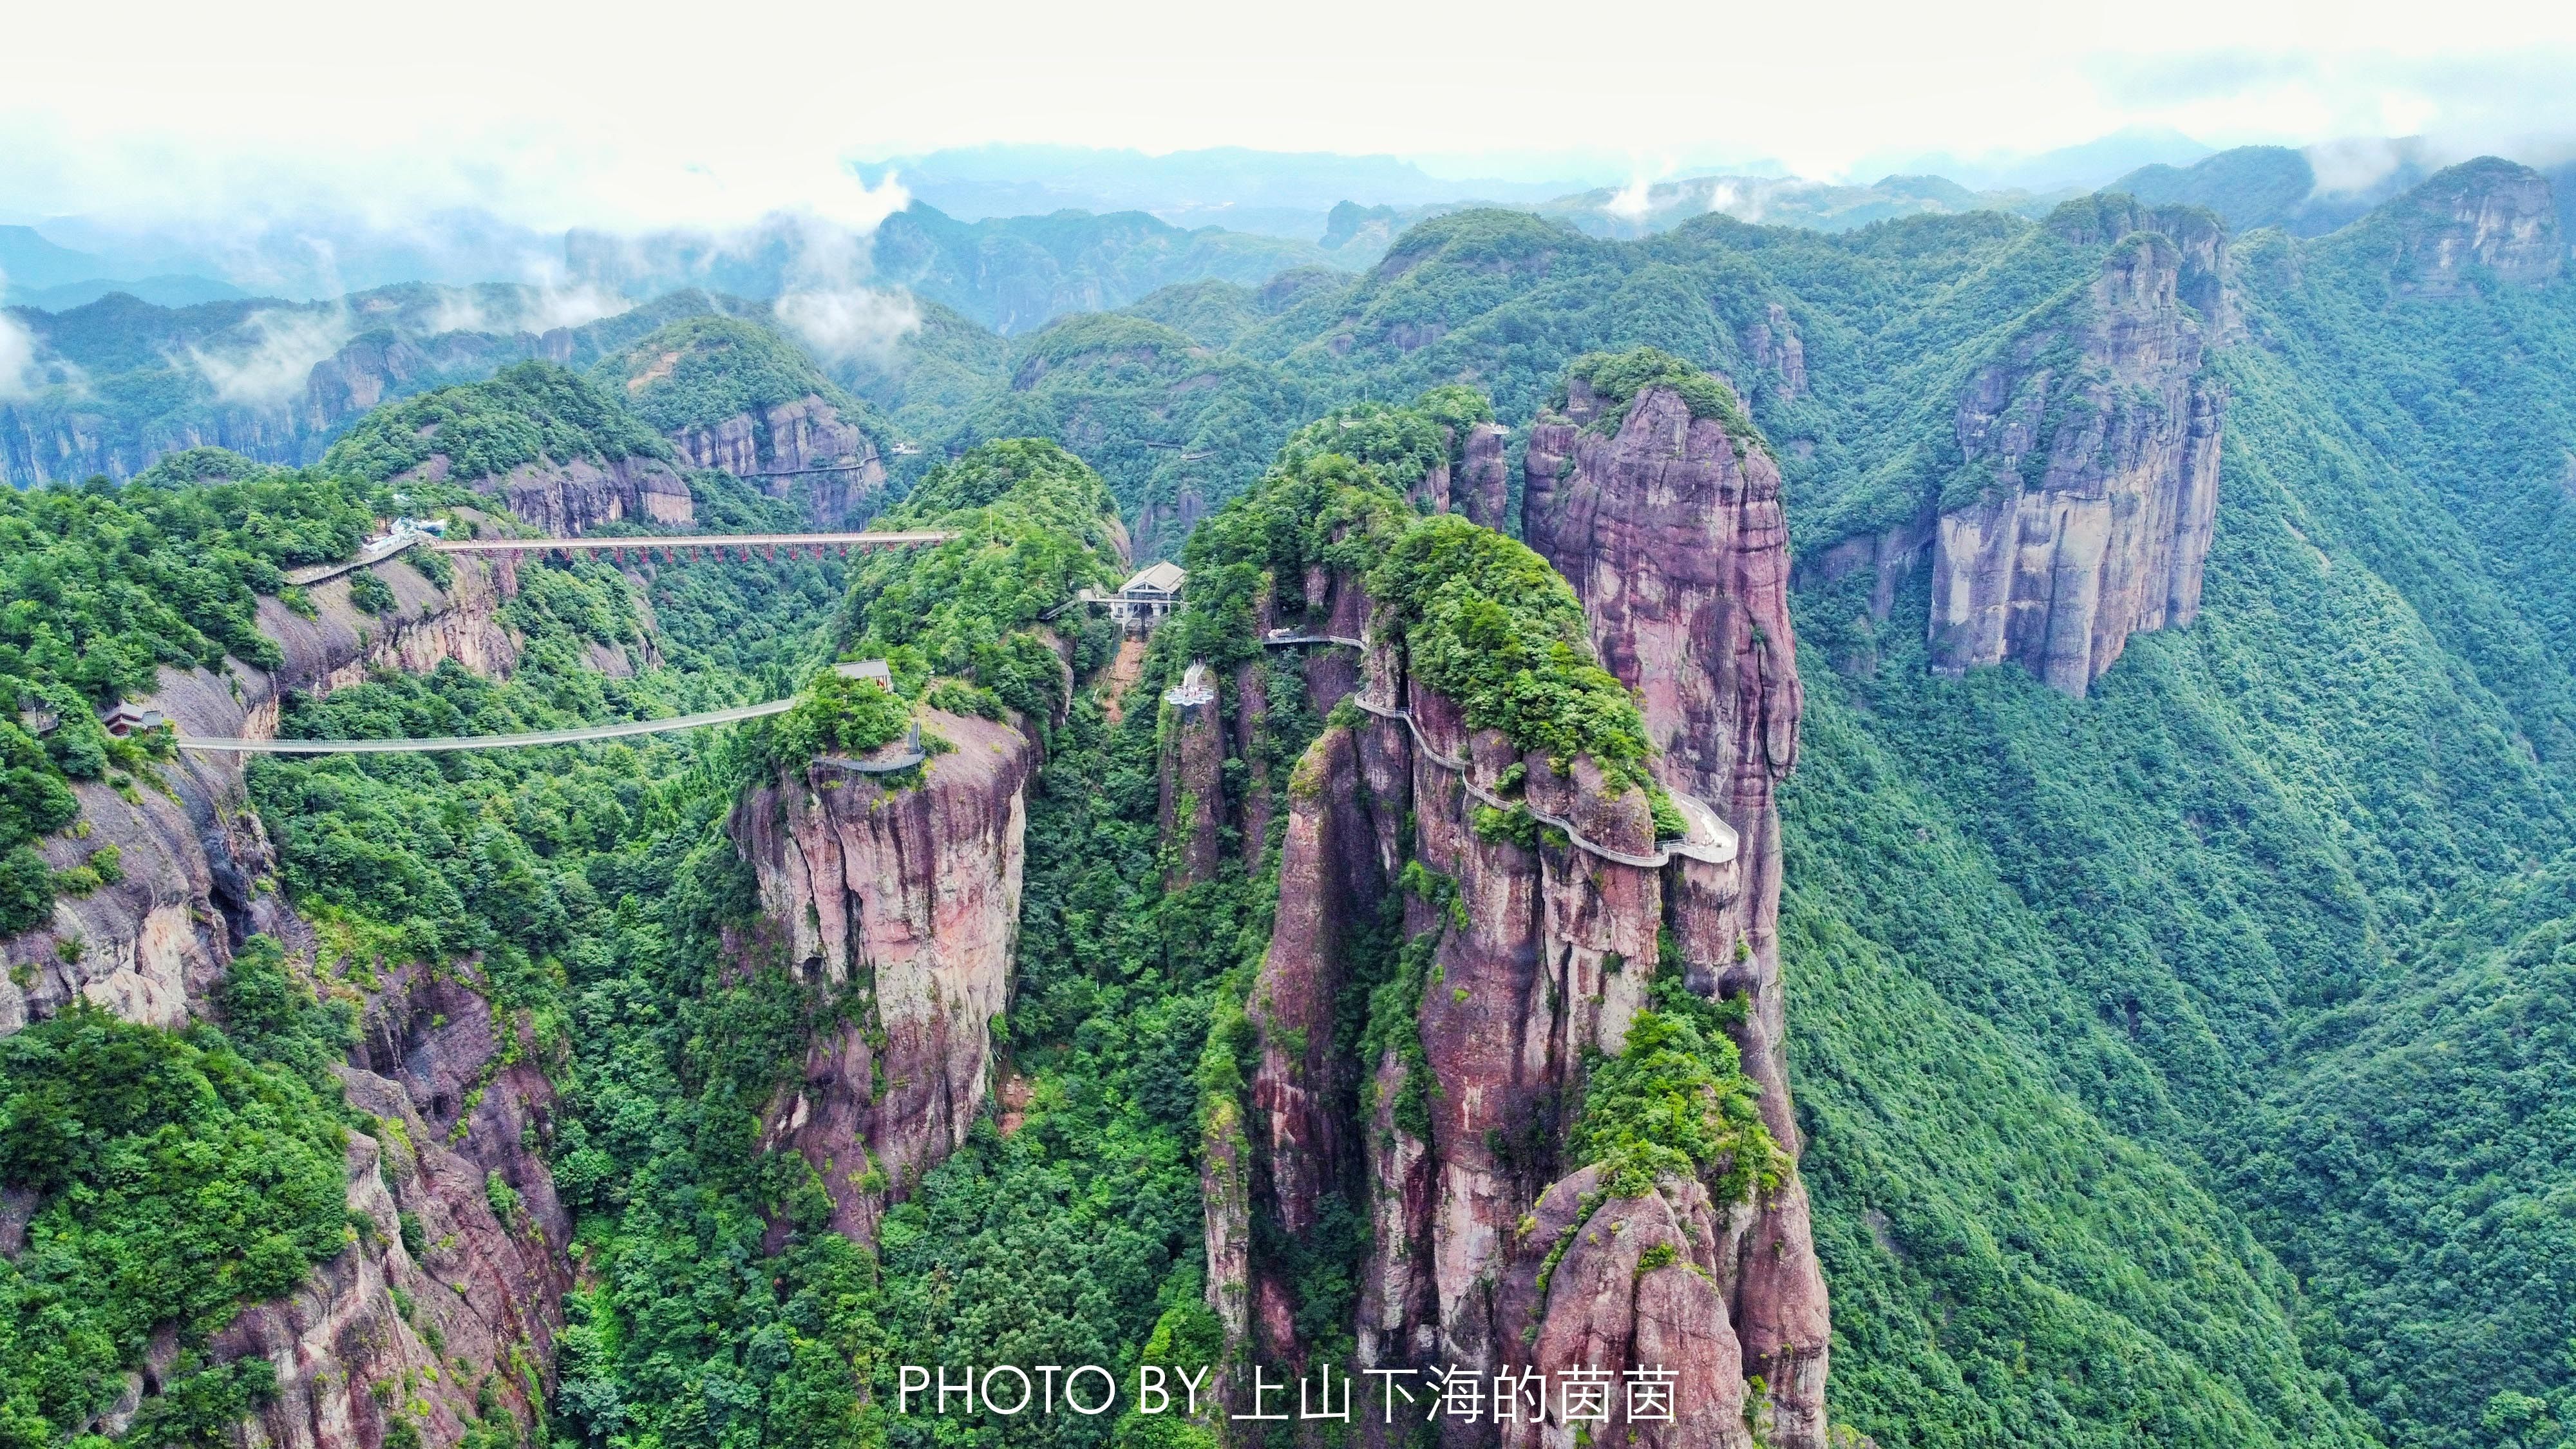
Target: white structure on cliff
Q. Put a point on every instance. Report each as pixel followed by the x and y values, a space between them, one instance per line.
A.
pixel 1148 596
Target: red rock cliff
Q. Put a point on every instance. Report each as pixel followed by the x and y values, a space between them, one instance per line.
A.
pixel 799 448
pixel 449 1117
pixel 1671 532
pixel 1450 1138
pixel 906 892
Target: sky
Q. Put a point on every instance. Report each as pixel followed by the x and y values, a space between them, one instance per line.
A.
pixel 653 114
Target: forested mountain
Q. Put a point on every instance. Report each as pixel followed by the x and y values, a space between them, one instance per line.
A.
pixel 2121 973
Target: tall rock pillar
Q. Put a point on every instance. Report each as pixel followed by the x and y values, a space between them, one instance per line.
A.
pixel 1670 528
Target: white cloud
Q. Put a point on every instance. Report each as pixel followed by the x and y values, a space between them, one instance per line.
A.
pixel 1634 199
pixel 571 307
pixel 219 115
pixel 850 322
pixel 18 375
pixel 272 363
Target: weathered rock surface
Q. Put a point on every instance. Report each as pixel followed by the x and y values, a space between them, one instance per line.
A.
pixel 1602 1307
pixel 2090 479
pixel 486 1289
pixel 2485 214
pixel 1672 533
pixel 909 895
pixel 565 498
pixel 1545 955
pixel 458 1096
pixel 1483 488
pixel 195 858
pixel 1191 780
pixel 1773 346
pixel 799 447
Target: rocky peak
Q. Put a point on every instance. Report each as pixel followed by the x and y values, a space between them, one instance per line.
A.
pixel 2082 510
pixel 1773 346
pixel 2487 214
pixel 1670 529
pixel 1482 490
pixel 2197 235
pixel 905 887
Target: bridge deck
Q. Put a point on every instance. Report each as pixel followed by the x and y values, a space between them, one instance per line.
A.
pixel 488 742
pixel 645 542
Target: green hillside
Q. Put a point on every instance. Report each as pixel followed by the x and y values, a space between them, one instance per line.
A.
pixel 2183 1064
pixel 523 414
pixel 699 371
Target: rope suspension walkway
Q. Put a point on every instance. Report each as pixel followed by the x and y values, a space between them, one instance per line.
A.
pixel 489 742
pixel 643 544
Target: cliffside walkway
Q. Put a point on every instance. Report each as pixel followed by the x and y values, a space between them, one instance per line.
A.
pixel 1711 839
pixel 582 735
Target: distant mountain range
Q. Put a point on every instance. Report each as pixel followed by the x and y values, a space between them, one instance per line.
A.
pixel 1013 236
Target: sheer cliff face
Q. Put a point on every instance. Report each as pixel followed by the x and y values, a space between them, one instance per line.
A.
pixel 450 1118
pixel 2095 444
pixel 804 441
pixel 1671 532
pixel 1545 955
pixel 566 498
pixel 1532 957
pixel 2487 214
pixel 907 897
pixel 1482 489
pixel 153 944
pixel 485 1286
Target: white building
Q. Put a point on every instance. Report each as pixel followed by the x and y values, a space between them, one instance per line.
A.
pixel 1148 597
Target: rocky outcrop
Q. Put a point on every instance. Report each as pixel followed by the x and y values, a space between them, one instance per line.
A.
pixel 1631 1283
pixel 1774 347
pixel 2485 215
pixel 480 1269
pixel 1192 779
pixel 566 498
pixel 2089 489
pixel 1671 531
pixel 456 1093
pixel 2082 508
pixel 802 447
pixel 1533 965
pixel 903 892
pixel 1483 488
pixel 194 857
pixel 1530 954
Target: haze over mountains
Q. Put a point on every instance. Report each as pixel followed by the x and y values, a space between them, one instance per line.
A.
pixel 1220 213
